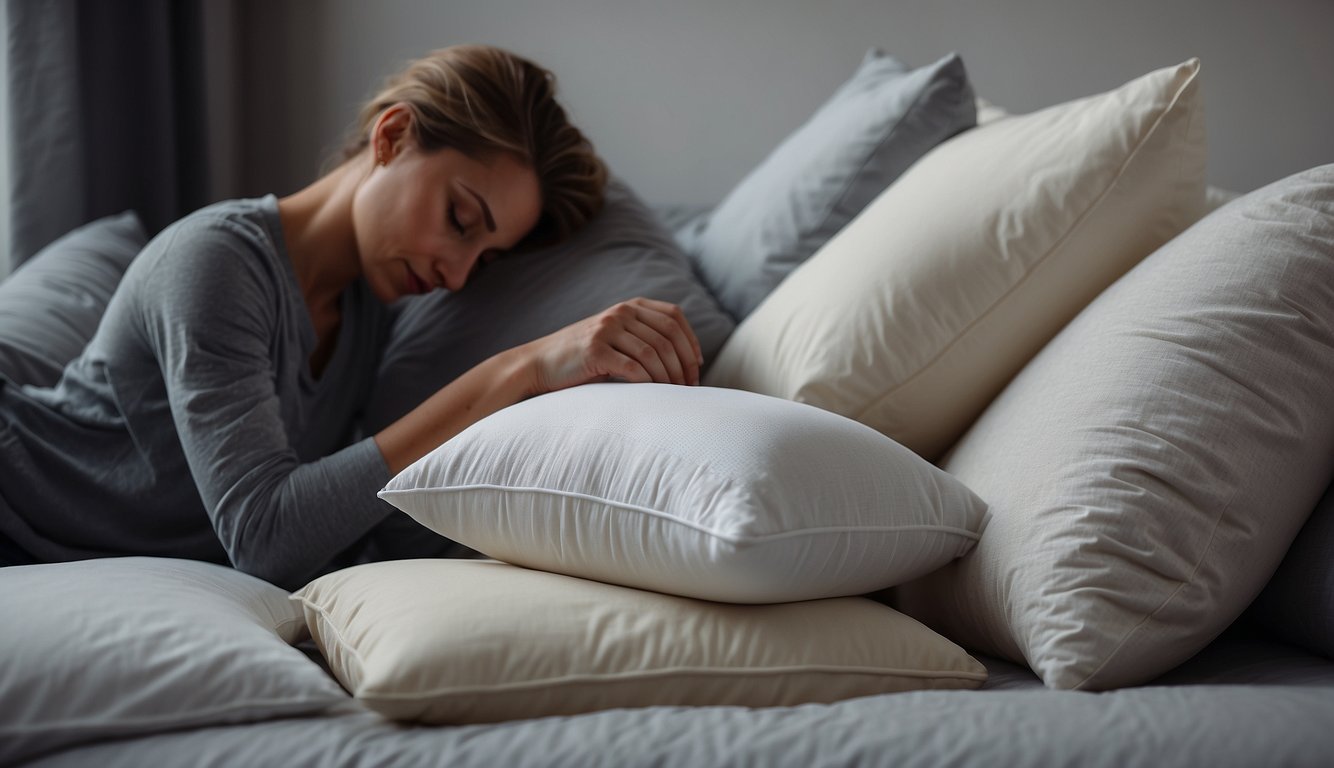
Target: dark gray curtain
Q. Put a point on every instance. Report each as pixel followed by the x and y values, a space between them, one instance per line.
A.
pixel 105 114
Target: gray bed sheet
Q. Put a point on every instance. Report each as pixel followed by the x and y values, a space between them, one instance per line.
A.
pixel 1244 701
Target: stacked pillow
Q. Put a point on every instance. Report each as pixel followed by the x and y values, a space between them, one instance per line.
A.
pixel 708 493
pixel 643 509
pixel 467 641
pixel 915 315
pixel 1148 469
pixel 646 512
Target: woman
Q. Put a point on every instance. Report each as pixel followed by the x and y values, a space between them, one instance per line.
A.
pixel 206 418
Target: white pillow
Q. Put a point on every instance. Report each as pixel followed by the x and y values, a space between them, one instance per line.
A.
pixel 709 493
pixel 469 641
pixel 914 316
pixel 1148 470
pixel 124 646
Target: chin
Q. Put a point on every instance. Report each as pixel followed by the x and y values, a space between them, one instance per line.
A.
pixel 384 292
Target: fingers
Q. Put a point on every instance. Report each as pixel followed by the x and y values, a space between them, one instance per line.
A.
pixel 674 343
pixel 656 335
pixel 628 369
pixel 678 319
pixel 640 340
pixel 651 350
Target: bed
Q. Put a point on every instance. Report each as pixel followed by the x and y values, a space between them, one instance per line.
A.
pixel 1128 633
pixel 1243 702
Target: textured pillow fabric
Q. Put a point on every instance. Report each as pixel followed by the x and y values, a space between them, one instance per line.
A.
pixel 623 253
pixel 50 306
pixel 914 316
pixel 101 649
pixel 1298 604
pixel 474 641
pixel 1148 469
pixel 873 127
pixel 708 493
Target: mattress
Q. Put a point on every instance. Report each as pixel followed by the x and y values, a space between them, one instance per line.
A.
pixel 1244 701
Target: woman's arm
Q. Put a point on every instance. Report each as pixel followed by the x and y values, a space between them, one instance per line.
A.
pixel 639 340
pixel 209 303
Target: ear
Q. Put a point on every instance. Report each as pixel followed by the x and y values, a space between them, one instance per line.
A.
pixel 391 133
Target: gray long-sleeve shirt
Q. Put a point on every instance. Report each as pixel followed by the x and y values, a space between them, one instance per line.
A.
pixel 192 425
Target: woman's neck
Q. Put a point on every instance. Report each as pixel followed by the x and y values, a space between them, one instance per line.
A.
pixel 321 242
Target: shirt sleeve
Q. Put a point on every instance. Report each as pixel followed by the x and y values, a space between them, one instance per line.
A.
pixel 212 321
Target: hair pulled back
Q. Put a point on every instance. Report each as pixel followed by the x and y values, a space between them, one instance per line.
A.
pixel 483 101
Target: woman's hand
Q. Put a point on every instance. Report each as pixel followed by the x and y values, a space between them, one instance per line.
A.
pixel 637 340
pixel 640 340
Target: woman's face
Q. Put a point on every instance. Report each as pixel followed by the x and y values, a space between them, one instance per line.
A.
pixel 426 220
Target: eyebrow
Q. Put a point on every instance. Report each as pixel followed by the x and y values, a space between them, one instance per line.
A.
pixel 486 210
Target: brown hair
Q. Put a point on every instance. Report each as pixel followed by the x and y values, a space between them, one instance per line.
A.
pixel 483 100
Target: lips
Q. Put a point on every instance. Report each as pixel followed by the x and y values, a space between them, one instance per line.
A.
pixel 415 284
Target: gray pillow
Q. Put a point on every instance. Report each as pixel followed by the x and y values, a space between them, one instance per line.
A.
pixel 51 305
pixel 1298 604
pixel 867 134
pixel 118 647
pixel 623 253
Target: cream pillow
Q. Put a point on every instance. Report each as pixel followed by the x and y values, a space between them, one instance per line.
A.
pixel 708 493
pixel 1149 468
pixel 476 641
pixel 914 316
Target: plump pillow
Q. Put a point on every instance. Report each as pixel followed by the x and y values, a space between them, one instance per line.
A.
pixel 108 648
pixel 873 127
pixel 914 316
pixel 475 641
pixel 50 306
pixel 623 253
pixel 1148 469
pixel 708 493
pixel 1298 604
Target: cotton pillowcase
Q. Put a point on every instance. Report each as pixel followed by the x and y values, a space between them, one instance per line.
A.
pixel 1214 197
pixel 51 305
pixel 1148 469
pixel 874 126
pixel 1298 604
pixel 469 641
pixel 707 493
pixel 914 316
pixel 118 647
pixel 622 253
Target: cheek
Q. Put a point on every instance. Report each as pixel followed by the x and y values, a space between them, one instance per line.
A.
pixel 373 217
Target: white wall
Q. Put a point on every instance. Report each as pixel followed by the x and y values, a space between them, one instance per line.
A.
pixel 684 97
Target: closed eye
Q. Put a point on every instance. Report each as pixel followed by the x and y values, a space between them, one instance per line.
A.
pixel 454 221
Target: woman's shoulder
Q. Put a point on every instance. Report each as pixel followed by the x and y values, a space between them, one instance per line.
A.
pixel 226 254
pixel 245 221
pixel 242 236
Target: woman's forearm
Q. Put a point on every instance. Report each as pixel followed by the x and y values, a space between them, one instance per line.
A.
pixel 635 340
pixel 497 382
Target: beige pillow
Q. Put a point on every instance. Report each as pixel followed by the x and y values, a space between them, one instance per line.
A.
pixel 473 641
pixel 1149 468
pixel 914 316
